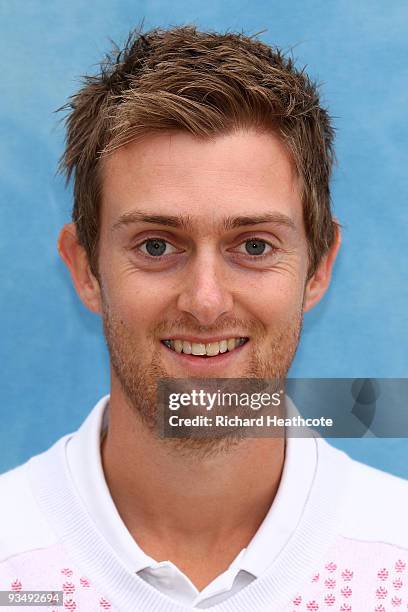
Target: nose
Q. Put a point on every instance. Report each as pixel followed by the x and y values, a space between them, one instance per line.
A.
pixel 205 294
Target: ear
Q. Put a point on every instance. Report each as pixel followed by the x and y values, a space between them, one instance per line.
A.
pixel 76 260
pixel 318 284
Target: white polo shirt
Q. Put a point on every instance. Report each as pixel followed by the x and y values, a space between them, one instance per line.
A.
pixel 343 545
pixel 83 449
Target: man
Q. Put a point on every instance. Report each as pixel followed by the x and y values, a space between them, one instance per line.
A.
pixel 201 233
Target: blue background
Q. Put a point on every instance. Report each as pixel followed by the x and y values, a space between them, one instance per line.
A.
pixel 54 364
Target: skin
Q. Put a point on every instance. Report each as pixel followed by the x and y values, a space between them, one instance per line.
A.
pixel 196 504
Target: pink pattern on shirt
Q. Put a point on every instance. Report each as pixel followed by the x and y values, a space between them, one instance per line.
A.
pixel 49 569
pixel 358 577
pixel 355 576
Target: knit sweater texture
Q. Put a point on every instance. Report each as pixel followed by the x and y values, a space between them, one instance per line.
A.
pixel 349 552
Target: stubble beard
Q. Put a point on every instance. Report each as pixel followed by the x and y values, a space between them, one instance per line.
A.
pixel 138 378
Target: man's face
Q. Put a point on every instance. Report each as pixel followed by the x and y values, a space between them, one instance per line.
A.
pixel 202 250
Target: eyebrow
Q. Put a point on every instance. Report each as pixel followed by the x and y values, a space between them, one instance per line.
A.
pixel 185 222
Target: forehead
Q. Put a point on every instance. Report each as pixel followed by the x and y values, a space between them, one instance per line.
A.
pixel 175 173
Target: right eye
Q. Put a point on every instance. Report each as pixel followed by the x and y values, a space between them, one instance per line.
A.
pixel 156 247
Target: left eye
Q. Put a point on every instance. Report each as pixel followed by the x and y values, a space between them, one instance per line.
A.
pixel 256 246
pixel 156 247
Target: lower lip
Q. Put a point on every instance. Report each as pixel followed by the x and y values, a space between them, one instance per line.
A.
pixel 203 363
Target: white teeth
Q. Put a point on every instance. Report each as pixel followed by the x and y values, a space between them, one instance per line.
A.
pixel 198 349
pixel 210 349
pixel 231 344
pixel 178 346
pixel 223 346
pixel 186 347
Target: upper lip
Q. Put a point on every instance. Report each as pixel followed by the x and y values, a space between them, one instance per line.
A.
pixel 202 340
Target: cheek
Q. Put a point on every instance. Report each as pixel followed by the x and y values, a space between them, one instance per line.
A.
pixel 138 304
pixel 275 300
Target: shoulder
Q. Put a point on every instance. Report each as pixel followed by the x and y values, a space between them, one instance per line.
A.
pixel 376 503
pixel 378 506
pixel 23 526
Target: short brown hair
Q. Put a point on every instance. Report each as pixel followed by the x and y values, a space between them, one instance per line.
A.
pixel 206 83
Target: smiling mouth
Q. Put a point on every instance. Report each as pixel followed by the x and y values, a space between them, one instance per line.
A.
pixel 209 349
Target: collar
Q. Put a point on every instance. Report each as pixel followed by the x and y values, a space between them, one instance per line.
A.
pixel 83 449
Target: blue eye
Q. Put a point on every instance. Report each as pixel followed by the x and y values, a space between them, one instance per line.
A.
pixel 255 246
pixel 155 246
pixel 256 249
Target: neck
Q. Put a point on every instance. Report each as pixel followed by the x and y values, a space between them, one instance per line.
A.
pixel 184 507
